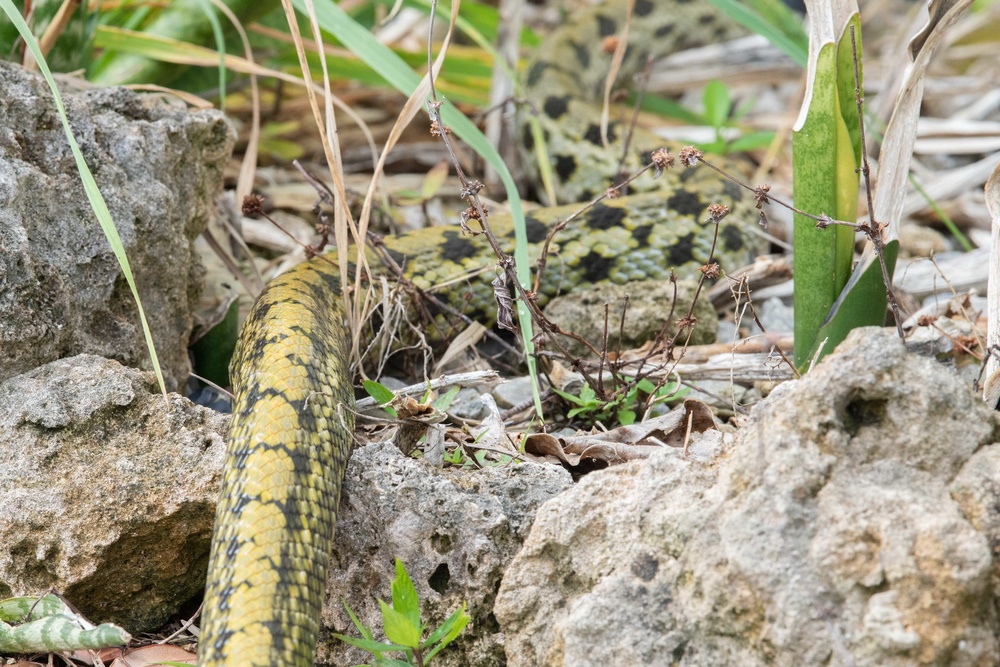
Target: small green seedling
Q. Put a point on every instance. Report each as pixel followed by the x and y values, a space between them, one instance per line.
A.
pixel 623 405
pixel 720 116
pixel 401 622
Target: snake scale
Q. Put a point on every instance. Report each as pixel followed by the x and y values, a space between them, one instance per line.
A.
pixel 292 425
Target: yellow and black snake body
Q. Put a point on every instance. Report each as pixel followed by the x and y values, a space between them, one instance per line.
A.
pixel 292 425
pixel 289 441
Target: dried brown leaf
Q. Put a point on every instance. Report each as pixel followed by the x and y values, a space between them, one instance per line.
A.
pixel 625 443
pixel 154 654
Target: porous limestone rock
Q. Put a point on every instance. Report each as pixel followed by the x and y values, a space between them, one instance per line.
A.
pixel 853 521
pixel 455 530
pixel 107 490
pixel 61 289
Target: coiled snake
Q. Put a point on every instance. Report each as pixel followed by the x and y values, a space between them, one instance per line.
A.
pixel 289 440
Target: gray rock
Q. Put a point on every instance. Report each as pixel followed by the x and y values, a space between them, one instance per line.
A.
pixel 850 522
pixel 718 393
pixel 468 404
pixel 776 317
pixel 107 490
pixel 649 307
pixel 513 392
pixel 61 289
pixel 455 531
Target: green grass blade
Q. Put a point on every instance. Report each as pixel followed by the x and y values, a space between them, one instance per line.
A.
pixel 220 46
pixel 942 215
pixel 774 21
pixel 97 202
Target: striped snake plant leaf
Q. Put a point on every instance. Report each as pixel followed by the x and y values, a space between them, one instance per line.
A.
pixel 52 626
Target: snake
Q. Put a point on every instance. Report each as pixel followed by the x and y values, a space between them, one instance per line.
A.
pixel 292 428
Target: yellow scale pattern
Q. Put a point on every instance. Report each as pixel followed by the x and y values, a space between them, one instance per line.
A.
pixel 291 434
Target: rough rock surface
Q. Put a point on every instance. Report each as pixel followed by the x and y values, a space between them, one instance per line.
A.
pixel 61 289
pixel 455 531
pixel 107 490
pixel 853 521
pixel 582 312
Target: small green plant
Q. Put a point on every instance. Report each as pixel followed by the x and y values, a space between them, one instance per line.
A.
pixel 401 622
pixel 481 458
pixel 720 115
pixel 622 406
pixel 458 458
pixel 386 396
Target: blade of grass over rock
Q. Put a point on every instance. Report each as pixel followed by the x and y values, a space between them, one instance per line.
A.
pixel 391 67
pixel 94 196
pixel 825 159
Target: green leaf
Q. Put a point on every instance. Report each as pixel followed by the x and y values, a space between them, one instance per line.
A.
pixel 382 394
pixel 825 181
pixel 379 392
pixel 646 385
pixel 862 302
pixel 444 402
pixel 448 631
pixel 717 103
pixel 717 147
pixel 404 597
pixel 569 397
pixel 668 108
pixel 398 627
pixel 392 662
pixel 370 644
pixel 626 417
pixel 448 626
pixel 751 141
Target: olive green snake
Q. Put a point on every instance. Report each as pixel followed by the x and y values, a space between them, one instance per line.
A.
pixel 292 427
